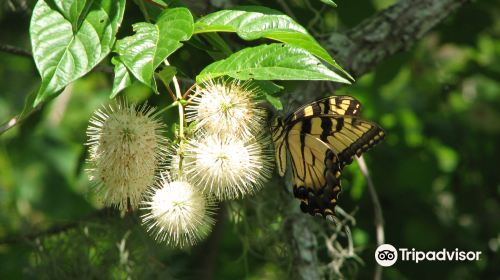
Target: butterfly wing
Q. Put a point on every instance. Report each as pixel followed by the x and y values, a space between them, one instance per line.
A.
pixel 316 173
pixel 346 135
pixel 331 105
pixel 321 138
pixel 278 136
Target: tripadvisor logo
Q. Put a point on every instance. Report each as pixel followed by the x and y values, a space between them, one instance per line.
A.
pixel 387 255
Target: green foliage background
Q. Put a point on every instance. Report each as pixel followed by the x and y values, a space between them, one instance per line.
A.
pixel 437 172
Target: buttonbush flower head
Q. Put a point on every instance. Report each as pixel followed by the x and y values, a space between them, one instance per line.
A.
pixel 226 107
pixel 126 148
pixel 228 167
pixel 178 214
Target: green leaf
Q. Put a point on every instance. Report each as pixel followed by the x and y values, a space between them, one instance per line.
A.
pixel 271 62
pixel 275 101
pixel 252 22
pixel 151 44
pixel 167 74
pixel 122 77
pixel 160 3
pixel 212 44
pixel 218 43
pixel 266 87
pixel 69 38
pixel 329 2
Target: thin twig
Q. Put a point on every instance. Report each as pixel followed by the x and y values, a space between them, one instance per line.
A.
pixel 15 50
pixel 29 237
pixel 104 69
pixel 379 218
pixel 316 18
pixel 190 89
pixel 178 96
pixel 155 4
pixel 287 9
pixel 6 48
pixel 144 10
pixel 56 229
pixel 17 120
pixel 172 94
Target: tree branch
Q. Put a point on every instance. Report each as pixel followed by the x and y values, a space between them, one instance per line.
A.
pixel 392 30
pixel 304 245
pixel 15 50
pixel 56 229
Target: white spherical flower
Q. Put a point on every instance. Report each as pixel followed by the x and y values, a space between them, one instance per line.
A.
pixel 226 107
pixel 127 148
pixel 228 167
pixel 177 213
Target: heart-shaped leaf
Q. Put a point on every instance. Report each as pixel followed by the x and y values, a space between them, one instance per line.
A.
pixel 151 44
pixel 271 62
pixel 70 37
pixel 122 78
pixel 252 22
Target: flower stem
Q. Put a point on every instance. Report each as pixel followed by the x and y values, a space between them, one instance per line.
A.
pixel 180 105
pixel 178 94
pixel 159 112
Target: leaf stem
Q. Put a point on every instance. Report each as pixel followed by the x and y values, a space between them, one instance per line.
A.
pixel 180 105
pixel 156 4
pixel 178 95
pixel 144 11
pixel 174 104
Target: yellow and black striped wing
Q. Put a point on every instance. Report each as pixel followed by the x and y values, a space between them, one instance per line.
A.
pixel 280 149
pixel 320 138
pixel 345 135
pixel 331 105
pixel 316 173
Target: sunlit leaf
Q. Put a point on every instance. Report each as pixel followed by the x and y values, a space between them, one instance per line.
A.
pixel 267 87
pixel 271 62
pixel 70 37
pixel 151 44
pixel 252 22
pixel 122 77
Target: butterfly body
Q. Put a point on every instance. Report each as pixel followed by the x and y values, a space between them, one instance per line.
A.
pixel 320 138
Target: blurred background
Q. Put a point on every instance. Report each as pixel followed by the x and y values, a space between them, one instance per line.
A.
pixel 437 173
